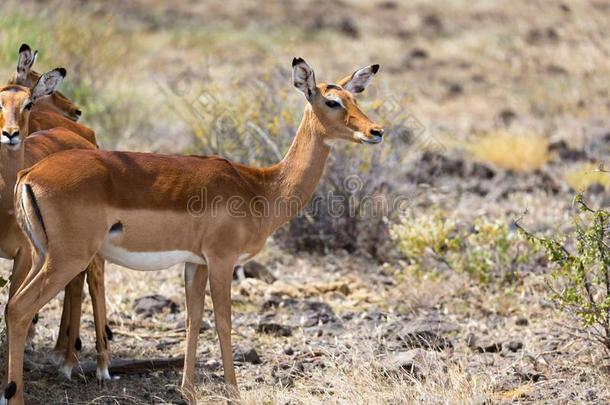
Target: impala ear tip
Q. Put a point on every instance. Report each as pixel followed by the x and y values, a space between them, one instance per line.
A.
pixel 375 68
pixel 296 61
pixel 24 48
pixel 62 71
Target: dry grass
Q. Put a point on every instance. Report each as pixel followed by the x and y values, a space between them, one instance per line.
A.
pixel 360 379
pixel 143 70
pixel 506 150
pixel 581 177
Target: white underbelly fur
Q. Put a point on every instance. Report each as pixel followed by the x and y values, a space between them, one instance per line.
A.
pixel 147 261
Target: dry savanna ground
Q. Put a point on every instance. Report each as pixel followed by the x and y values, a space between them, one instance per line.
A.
pixel 494 111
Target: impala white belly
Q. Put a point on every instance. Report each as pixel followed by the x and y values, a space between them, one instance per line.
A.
pixel 148 261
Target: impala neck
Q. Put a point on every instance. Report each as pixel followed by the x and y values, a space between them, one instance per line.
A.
pixel 11 162
pixel 296 177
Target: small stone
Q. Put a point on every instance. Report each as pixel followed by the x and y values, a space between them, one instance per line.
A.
pixel 411 362
pixel 150 305
pixel 530 375
pixel 247 354
pixel 418 53
pixel 212 364
pixel 254 269
pixel 454 89
pixel 489 348
pixel 514 346
pixel 522 321
pixel 273 328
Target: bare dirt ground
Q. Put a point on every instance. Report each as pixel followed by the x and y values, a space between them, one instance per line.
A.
pixel 327 332
pixel 514 103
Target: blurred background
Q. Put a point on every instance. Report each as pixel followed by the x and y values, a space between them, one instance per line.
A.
pixel 493 111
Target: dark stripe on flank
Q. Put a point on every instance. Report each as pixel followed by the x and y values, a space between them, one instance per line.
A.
pixel 32 197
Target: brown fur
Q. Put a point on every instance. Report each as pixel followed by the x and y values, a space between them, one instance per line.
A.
pixel 13 244
pixel 80 195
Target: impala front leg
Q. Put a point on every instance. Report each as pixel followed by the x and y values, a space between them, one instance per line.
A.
pixel 195 281
pixel 221 274
pixel 21 266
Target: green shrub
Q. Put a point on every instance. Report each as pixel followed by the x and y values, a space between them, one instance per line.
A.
pixel 488 251
pixel 580 283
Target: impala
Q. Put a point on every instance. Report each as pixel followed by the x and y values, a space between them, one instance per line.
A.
pixel 52 111
pixel 57 111
pixel 25 76
pixel 135 209
pixel 17 151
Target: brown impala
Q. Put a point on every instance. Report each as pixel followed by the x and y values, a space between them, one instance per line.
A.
pixel 57 111
pixel 135 209
pixel 18 150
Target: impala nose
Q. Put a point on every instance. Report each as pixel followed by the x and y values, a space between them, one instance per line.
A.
pixel 376 132
pixel 10 133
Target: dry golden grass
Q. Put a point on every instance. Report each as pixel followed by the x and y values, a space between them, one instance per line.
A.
pixel 522 152
pixel 580 177
pixel 360 379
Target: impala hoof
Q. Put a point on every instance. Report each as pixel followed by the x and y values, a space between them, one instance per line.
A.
pixel 9 392
pixel 102 375
pixel 56 358
pixel 66 371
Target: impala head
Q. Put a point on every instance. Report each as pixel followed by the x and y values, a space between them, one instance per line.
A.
pixel 25 76
pixel 335 106
pixel 16 101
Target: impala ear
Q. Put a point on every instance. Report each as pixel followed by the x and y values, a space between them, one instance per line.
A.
pixel 24 63
pixel 303 78
pixel 358 81
pixel 48 83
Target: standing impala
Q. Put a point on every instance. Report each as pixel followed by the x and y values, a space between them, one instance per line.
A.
pixel 136 209
pixel 19 150
pixel 57 111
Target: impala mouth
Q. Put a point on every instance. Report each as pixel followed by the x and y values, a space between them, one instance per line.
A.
pixel 372 140
pixel 73 117
pixel 11 143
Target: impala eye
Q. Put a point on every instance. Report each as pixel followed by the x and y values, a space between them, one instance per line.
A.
pixel 333 104
pixel 29 106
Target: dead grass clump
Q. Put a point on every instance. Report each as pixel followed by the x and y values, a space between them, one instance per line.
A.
pixel 522 153
pixel 361 379
pixel 582 176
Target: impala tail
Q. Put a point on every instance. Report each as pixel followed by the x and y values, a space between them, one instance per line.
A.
pixel 29 217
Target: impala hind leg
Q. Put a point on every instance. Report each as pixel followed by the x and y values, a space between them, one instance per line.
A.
pixel 95 280
pixel 195 280
pixel 61 346
pixel 38 289
pixel 221 274
pixel 75 291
